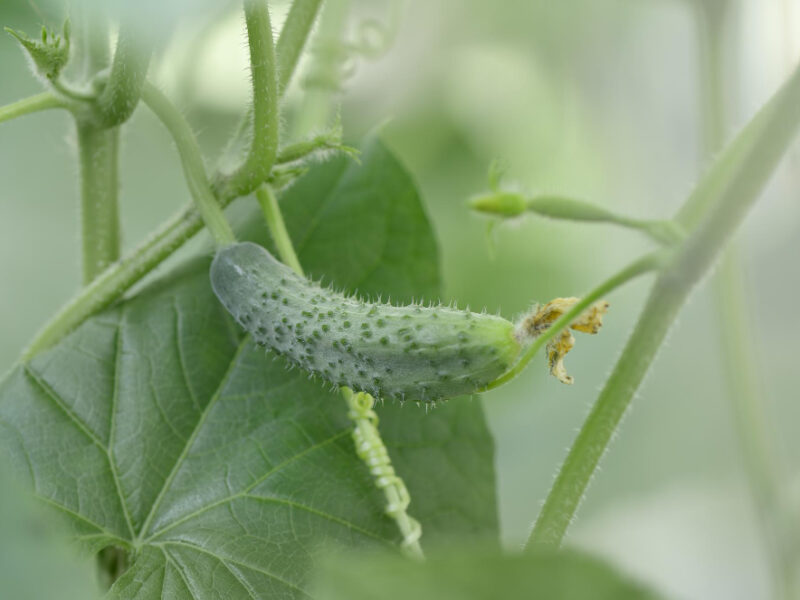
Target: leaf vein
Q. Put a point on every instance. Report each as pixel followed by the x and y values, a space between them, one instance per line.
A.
pixel 255 568
pixel 113 425
pixel 251 486
pixel 195 432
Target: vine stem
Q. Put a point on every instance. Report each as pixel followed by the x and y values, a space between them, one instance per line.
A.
pixel 646 264
pixel 725 196
pixel 256 167
pixel 98 150
pixel 123 89
pixel 736 337
pixel 32 104
pixel 292 39
pixel 92 51
pixel 747 405
pixel 369 444
pixel 316 106
pixel 277 227
pixel 192 161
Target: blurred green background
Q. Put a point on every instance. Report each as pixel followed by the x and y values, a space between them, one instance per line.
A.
pixel 598 99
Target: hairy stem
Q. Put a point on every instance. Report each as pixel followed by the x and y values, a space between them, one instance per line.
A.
pixel 192 162
pixel 287 52
pixel 272 215
pixel 92 46
pixel 737 340
pixel 259 160
pixel 590 445
pixel 293 38
pixel 98 150
pixel 33 104
pixel 316 106
pixel 728 191
pixel 121 93
pixel 736 336
pixel 646 264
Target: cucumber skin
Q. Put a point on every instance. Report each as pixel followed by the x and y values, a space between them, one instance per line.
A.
pixel 399 352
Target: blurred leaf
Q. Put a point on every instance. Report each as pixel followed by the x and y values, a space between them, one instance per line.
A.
pixel 475 575
pixel 35 561
pixel 157 427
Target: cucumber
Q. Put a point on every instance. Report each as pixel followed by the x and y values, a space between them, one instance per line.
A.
pixel 400 352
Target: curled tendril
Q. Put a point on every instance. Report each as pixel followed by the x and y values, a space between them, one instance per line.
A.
pixel 372 451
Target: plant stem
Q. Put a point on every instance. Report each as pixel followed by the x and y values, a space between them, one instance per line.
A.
pixel 328 141
pixel 293 38
pixel 98 150
pixel 747 405
pixel 192 162
pixel 665 232
pixel 121 94
pixel 646 264
pixel 32 104
pixel 290 41
pixel 91 41
pixel 272 215
pixel 257 165
pixel 732 187
pixel 316 106
pixel 590 445
pixel 736 336
pixel 96 39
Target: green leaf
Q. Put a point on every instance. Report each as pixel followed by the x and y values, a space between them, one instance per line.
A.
pixel 158 428
pixel 48 55
pixel 475 574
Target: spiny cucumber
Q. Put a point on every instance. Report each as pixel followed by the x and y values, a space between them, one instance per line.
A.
pixel 400 352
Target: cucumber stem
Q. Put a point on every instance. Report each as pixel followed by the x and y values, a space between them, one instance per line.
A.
pixel 277 227
pixel 98 150
pixel 256 167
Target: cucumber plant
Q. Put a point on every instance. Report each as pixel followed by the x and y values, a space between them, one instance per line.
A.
pixel 173 477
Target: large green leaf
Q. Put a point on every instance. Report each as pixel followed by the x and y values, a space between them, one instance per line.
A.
pixel 159 428
pixel 475 574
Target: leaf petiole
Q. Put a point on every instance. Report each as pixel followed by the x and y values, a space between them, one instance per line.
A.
pixel 32 104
